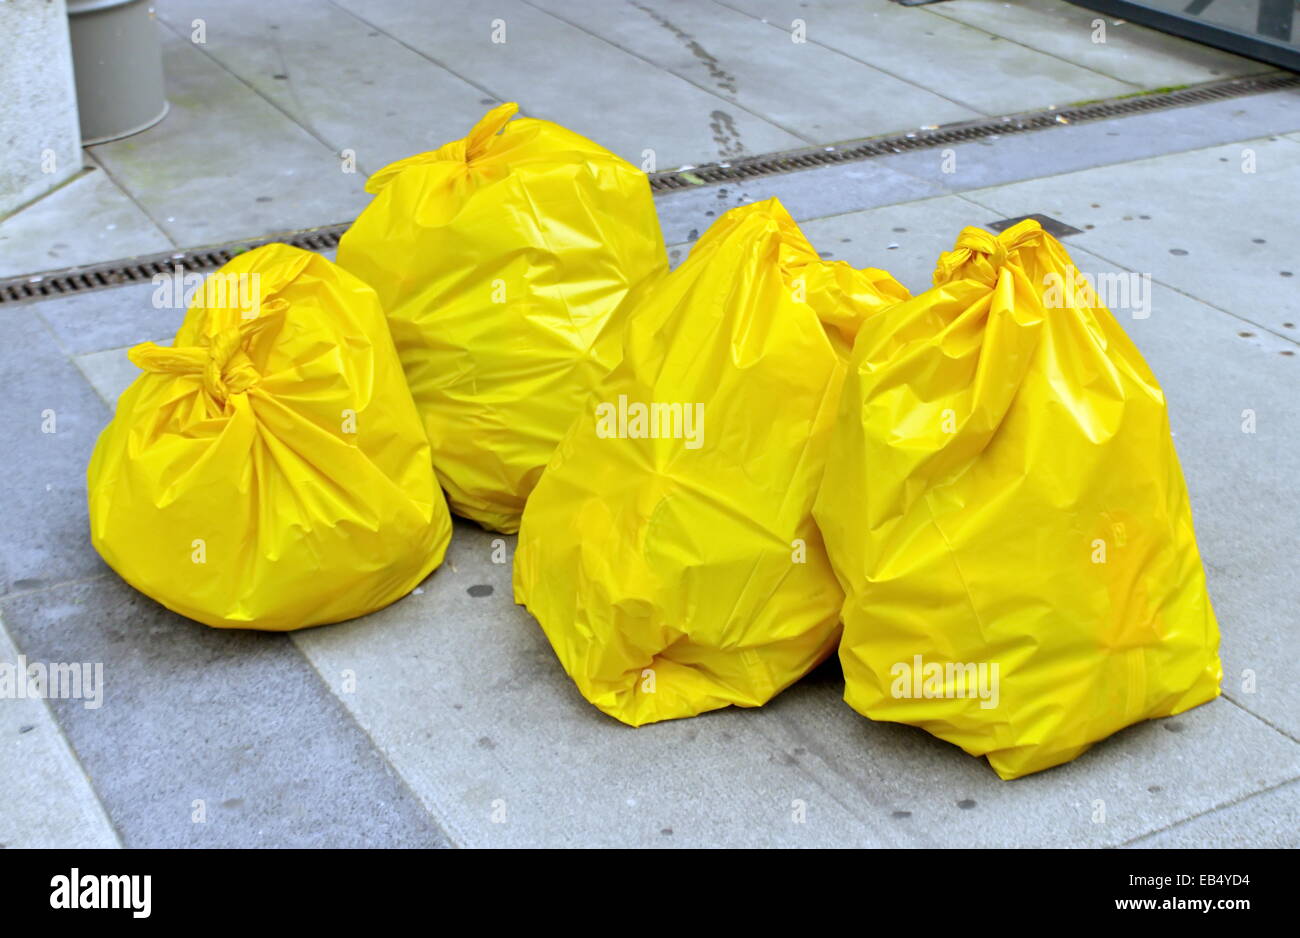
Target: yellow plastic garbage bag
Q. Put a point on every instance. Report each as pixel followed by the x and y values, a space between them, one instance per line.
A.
pixel 1005 510
pixel 269 470
pixel 506 263
pixel 669 550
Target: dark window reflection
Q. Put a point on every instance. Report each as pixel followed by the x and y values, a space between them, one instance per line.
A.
pixel 1271 18
pixel 1264 29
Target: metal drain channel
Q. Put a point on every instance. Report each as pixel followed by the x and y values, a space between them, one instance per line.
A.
pixel 144 269
pixel 853 151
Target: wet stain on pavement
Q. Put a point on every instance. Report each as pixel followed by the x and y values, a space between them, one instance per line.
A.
pixel 721 77
pixel 725 134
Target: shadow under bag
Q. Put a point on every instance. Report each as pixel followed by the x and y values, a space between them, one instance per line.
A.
pixel 1005 510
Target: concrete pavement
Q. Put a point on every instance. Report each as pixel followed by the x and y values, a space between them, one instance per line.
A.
pixel 446 719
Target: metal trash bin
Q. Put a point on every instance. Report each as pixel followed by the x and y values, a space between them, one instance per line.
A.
pixel 117 60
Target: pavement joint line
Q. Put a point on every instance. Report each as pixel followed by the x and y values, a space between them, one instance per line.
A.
pixel 690 81
pixel 76 363
pixel 202 49
pixel 1214 810
pixel 76 177
pixel 1242 707
pixel 73 357
pixel 53 336
pixel 67 743
pixel 117 184
pixel 438 817
pixel 851 57
pixel 428 58
pixel 1294 340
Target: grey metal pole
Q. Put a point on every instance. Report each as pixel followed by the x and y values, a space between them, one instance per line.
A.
pixel 117 59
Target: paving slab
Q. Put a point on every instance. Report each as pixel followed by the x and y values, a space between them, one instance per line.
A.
pixel 49 419
pixel 1268 819
pixel 969 66
pixel 466 698
pixel 90 219
pixel 813 193
pixel 809 89
pixel 561 73
pixel 48 802
pixel 904 239
pixel 1236 252
pixel 109 372
pixel 112 318
pixel 350 85
pixel 1120 49
pixel 226 164
pixel 210 737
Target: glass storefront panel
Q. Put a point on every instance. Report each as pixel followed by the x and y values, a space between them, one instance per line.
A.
pixel 1263 29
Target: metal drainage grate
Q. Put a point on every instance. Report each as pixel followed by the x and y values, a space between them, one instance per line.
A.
pixel 853 151
pixel 143 269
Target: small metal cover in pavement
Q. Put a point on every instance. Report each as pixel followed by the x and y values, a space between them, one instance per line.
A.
pixel 1057 229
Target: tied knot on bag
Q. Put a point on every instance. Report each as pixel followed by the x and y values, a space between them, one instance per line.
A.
pixel 463 152
pixel 223 364
pixel 979 254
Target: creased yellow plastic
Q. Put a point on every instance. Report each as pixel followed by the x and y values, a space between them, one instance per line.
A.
pixel 674 580
pixel 270 472
pixel 1002 488
pixel 505 262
